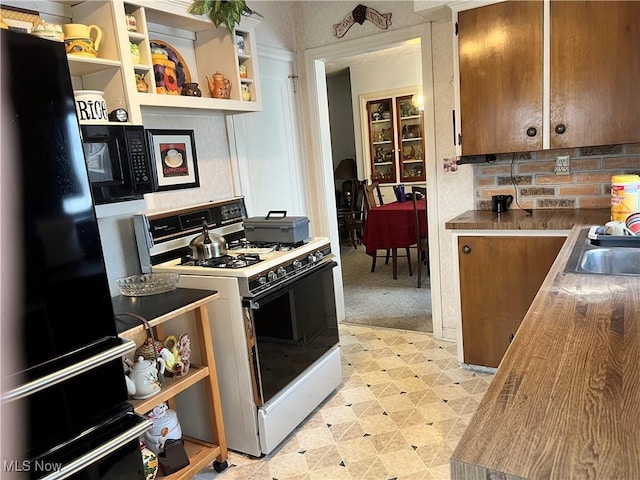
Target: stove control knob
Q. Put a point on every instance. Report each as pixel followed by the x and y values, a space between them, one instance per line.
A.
pixel 262 280
pixel 272 276
pixel 319 255
pixel 312 258
pixel 297 264
pixel 281 272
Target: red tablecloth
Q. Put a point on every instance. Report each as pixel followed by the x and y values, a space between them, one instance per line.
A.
pixel 392 226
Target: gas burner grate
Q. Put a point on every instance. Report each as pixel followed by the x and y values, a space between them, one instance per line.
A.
pixel 226 261
pixel 280 247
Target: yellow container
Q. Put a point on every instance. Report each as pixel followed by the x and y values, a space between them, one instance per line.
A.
pixel 624 196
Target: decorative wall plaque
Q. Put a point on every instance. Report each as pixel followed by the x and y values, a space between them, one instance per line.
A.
pixel 359 15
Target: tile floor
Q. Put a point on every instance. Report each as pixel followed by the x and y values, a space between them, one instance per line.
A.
pixel 399 414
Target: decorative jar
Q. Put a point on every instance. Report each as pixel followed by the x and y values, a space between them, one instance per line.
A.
pixel 50 31
pixel 149 462
pixel 135 53
pixel 190 90
pixel 165 426
pixel 91 106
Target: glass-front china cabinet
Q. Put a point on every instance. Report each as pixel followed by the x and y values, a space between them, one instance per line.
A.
pixel 393 132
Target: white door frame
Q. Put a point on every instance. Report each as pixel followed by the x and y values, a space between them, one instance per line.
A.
pixel 320 140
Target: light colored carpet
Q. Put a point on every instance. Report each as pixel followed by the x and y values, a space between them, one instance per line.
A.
pixel 376 299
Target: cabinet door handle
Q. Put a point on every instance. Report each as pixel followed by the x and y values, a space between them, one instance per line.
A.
pixel 532 132
pixel 560 128
pixel 466 249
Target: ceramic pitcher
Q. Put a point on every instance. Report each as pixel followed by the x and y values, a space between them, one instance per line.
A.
pixel 82 39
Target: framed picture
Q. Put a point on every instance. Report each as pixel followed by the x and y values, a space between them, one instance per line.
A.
pixel 174 159
pixel 19 19
pixel 18 25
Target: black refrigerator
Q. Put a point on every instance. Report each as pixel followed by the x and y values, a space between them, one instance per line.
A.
pixel 64 399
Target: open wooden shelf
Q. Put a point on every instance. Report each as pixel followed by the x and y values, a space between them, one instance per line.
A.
pixel 170 388
pixel 158 309
pixel 200 454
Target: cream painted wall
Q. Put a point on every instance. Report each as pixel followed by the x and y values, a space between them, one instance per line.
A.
pixel 276 28
pixel 315 20
pixel 455 190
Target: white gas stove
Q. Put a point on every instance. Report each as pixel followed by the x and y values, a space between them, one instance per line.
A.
pixel 163 245
pixel 272 268
pixel 274 325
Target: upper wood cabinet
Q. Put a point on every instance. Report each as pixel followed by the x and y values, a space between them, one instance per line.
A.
pixel 517 92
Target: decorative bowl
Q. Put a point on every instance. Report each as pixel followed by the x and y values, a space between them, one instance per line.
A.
pixel 147 284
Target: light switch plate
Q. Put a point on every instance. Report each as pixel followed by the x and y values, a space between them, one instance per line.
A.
pixel 562 165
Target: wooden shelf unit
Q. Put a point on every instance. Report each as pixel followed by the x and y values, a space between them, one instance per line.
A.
pixel 157 310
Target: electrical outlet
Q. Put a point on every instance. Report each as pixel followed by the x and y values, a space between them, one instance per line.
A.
pixel 562 165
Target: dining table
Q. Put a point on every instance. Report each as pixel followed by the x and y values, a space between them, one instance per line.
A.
pixel 391 226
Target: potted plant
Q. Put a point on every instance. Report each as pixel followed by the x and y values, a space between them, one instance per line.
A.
pixel 222 12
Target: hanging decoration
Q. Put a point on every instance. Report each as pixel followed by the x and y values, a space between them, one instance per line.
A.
pixel 360 14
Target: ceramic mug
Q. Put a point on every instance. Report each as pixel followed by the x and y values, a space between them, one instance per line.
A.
pixel 500 203
pixel 633 223
pixel 616 227
pixel 79 39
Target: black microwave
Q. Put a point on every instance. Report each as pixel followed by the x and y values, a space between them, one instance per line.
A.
pixel 118 162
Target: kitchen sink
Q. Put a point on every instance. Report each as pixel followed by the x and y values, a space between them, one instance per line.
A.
pixel 611 261
pixel 602 260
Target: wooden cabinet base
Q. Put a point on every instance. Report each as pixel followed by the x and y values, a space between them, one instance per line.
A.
pixel 499 278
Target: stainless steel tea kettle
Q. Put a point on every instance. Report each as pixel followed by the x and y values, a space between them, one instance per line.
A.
pixel 206 245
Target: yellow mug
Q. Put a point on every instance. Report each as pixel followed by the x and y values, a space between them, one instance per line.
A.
pixel 82 39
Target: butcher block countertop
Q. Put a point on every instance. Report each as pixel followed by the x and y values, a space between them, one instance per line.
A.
pixel 565 400
pixel 516 219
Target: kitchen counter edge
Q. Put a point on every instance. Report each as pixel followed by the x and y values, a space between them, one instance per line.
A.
pixel 563 402
pixel 539 219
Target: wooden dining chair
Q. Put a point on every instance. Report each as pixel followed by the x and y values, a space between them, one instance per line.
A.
pixel 373 199
pixel 373 196
pixel 354 216
pixel 370 203
pixel 422 243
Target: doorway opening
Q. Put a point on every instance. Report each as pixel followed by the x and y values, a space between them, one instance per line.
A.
pixel 317 61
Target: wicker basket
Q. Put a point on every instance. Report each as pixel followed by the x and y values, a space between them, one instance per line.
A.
pixel 146 349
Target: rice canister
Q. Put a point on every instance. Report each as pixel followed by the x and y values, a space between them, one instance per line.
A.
pixel 624 196
pixel 90 106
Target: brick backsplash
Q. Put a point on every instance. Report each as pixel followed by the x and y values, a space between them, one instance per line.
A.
pixel 530 177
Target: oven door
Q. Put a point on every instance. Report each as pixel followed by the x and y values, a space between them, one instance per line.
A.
pixel 289 328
